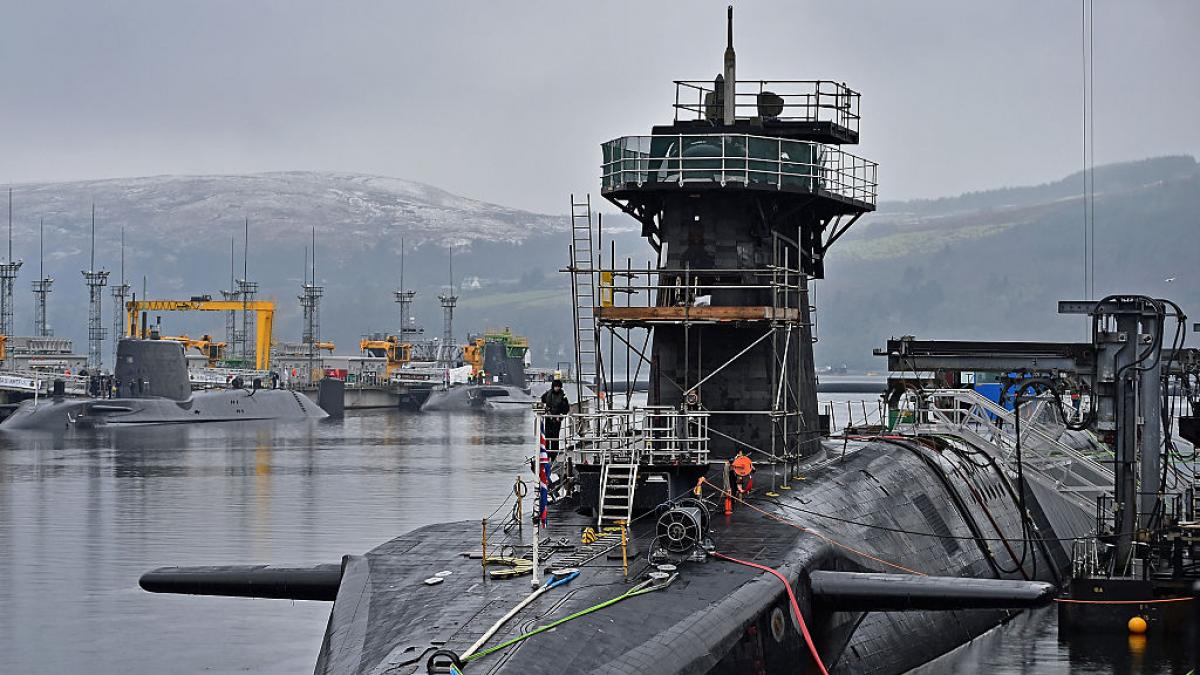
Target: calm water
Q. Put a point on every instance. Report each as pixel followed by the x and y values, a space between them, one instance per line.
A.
pixel 82 516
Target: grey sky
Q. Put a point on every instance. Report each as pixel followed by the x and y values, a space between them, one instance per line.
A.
pixel 508 101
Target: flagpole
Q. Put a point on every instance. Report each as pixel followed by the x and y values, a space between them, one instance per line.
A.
pixel 537 525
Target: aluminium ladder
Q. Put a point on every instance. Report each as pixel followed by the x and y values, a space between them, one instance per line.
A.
pixel 617 483
pixel 583 293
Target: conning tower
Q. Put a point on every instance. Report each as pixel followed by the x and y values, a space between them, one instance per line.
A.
pixel 741 196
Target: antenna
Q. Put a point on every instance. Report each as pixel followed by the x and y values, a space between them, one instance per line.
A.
pixel 10 224
pixel 305 273
pixel 314 255
pixel 42 249
pixel 92 264
pixel 730 72
pixel 401 263
pixel 246 252
pixel 122 255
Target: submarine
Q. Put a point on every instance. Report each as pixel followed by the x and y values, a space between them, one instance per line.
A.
pixel 719 528
pixel 498 382
pixel 152 387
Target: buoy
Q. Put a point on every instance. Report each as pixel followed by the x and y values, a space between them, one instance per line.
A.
pixel 1137 625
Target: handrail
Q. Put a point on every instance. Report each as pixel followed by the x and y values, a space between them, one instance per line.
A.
pixel 974 417
pixel 741 160
pixel 653 434
pixel 793 101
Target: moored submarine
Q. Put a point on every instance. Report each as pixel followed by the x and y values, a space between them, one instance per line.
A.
pixel 497 382
pixel 152 387
pixel 666 548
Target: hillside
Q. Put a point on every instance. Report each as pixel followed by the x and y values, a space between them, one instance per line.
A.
pixel 983 265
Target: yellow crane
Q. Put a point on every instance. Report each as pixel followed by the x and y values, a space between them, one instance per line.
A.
pixel 264 311
pixel 213 350
pixel 397 353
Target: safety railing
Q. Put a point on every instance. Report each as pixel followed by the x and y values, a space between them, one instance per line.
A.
pixel 782 100
pixel 986 424
pixel 208 378
pixel 41 382
pixel 776 286
pixel 648 435
pixel 736 160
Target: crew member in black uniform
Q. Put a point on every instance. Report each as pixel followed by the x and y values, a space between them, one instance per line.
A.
pixel 557 405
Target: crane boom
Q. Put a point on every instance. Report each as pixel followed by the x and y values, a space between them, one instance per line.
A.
pixel 263 309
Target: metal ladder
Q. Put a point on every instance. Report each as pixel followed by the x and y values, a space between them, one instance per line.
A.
pixel 583 293
pixel 617 483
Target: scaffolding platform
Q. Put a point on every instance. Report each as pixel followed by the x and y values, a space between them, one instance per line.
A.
pixel 645 316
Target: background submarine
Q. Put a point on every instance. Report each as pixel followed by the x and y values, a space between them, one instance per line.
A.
pixel 152 387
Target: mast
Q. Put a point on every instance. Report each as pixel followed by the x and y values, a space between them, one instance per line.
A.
pixel 8 277
pixel 96 280
pixel 120 292
pixel 730 71
pixel 41 286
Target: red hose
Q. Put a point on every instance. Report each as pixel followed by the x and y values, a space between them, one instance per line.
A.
pixel 812 648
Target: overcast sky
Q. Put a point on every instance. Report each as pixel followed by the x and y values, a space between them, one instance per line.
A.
pixel 509 101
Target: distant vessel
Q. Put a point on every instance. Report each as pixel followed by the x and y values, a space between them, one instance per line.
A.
pixel 152 387
pixel 497 382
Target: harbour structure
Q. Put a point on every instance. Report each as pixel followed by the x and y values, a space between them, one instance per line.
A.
pixel 9 268
pixel 703 550
pixel 41 288
pixel 246 290
pixel 1133 390
pixel 120 293
pixel 310 305
pixel 448 352
pixel 96 280
pixel 232 335
pixel 409 332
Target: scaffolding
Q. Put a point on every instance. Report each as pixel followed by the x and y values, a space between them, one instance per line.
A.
pixel 630 304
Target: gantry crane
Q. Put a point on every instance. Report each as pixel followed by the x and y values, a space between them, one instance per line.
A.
pixel 264 311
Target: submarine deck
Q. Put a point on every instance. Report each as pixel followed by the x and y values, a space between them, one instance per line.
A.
pixel 386 619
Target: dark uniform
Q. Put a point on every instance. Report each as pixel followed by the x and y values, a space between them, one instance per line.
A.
pixel 555 400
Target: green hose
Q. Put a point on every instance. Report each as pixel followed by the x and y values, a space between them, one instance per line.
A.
pixel 640 589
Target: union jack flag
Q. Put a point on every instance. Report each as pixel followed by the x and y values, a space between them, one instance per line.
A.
pixel 543 475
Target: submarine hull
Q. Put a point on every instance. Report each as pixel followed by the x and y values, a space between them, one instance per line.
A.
pixel 478 397
pixel 897 508
pixel 211 406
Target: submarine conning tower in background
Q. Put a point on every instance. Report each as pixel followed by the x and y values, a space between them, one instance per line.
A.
pixel 741 197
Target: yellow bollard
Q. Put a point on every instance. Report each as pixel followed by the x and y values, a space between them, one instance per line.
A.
pixel 483 560
pixel 624 549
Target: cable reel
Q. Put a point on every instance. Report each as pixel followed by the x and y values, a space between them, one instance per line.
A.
pixel 682 531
